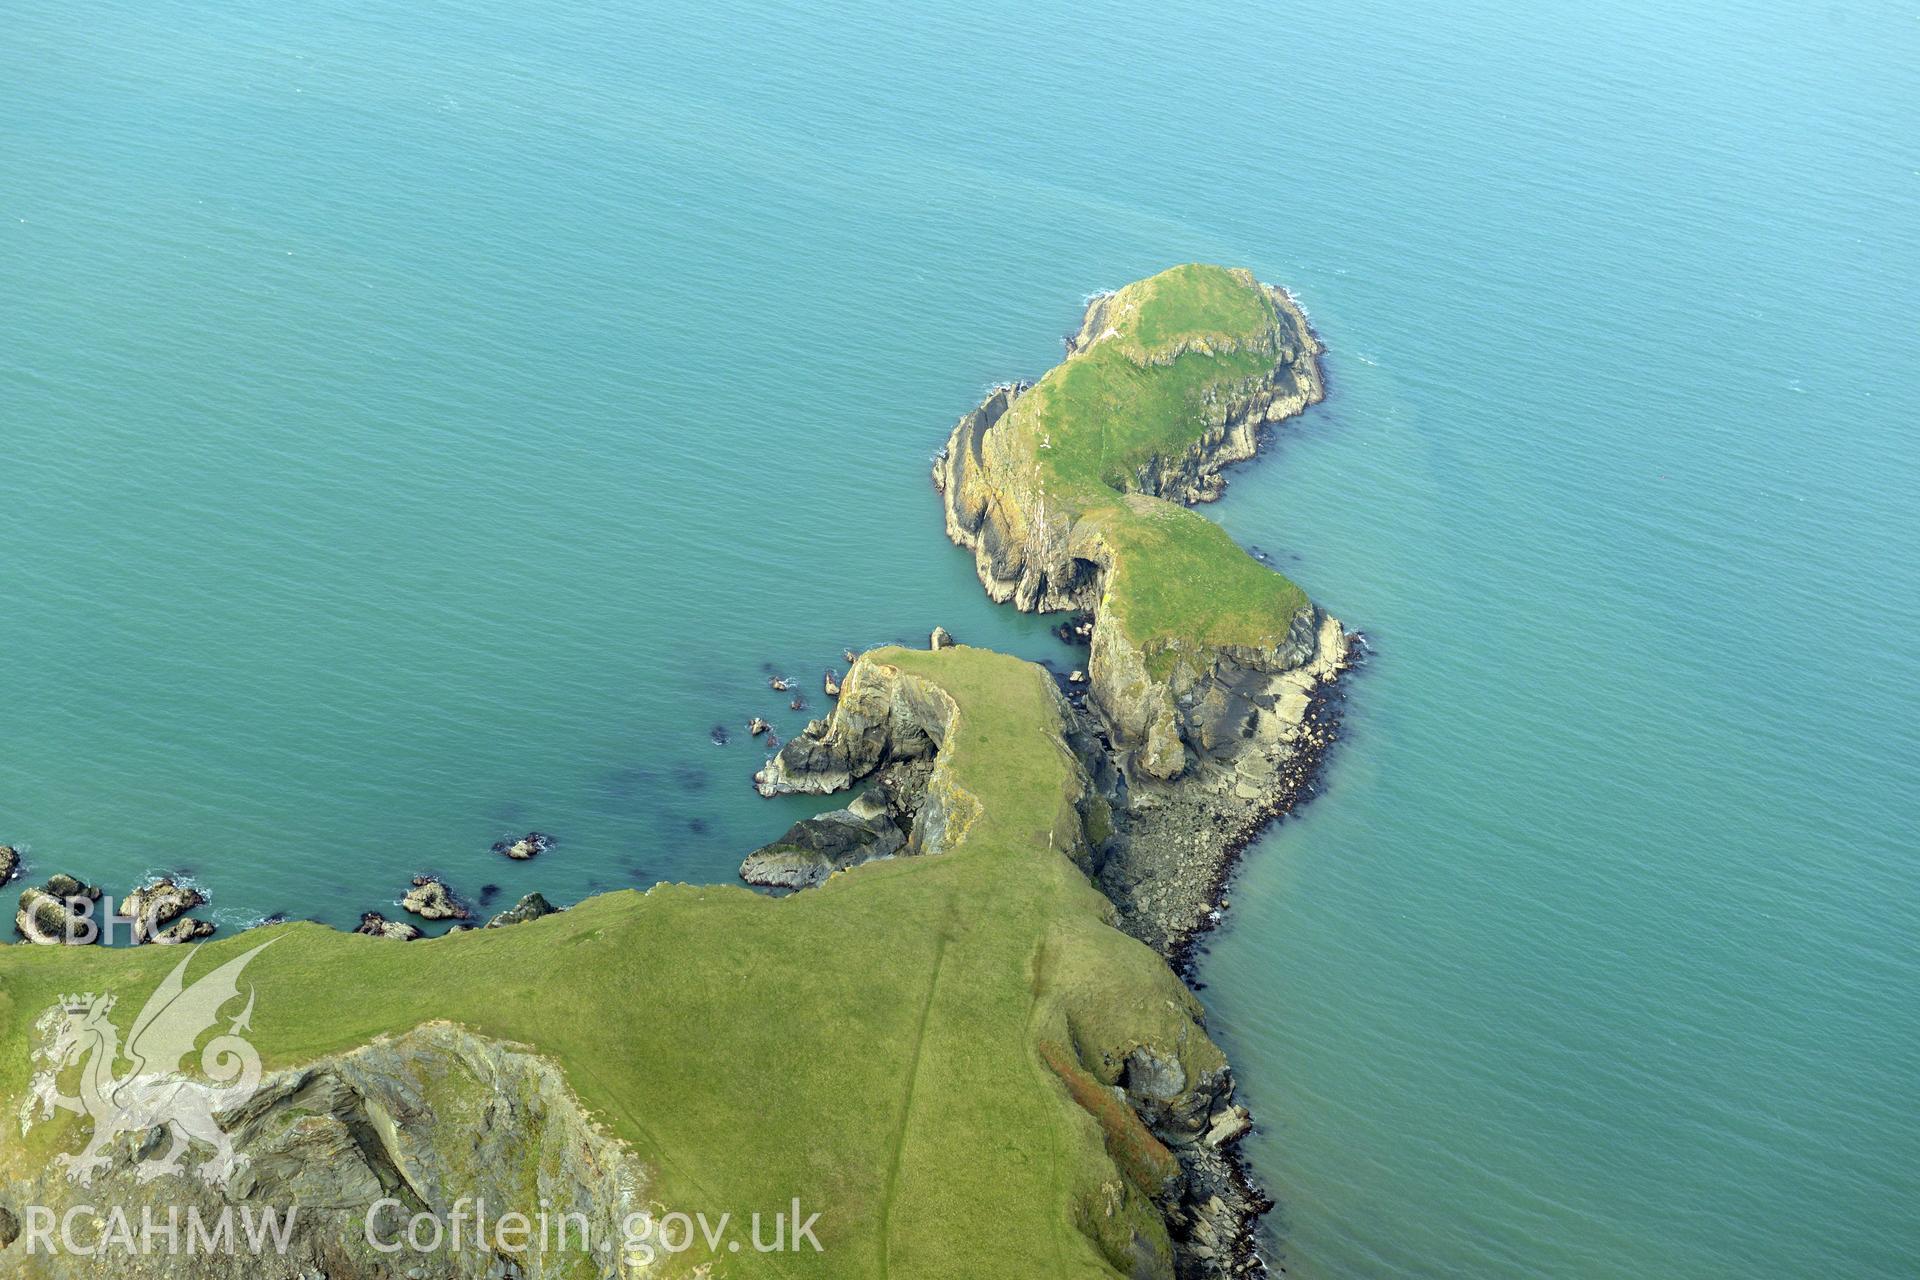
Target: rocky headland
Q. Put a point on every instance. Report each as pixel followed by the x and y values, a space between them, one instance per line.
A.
pixel 967 1032
pixel 1204 718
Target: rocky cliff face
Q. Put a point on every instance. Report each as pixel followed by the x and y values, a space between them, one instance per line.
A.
pixel 424 1118
pixel 888 716
pixel 1045 551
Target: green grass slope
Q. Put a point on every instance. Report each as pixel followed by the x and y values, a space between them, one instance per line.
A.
pixel 918 1049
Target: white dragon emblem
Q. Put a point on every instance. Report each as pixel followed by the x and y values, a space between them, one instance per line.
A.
pixel 155 1093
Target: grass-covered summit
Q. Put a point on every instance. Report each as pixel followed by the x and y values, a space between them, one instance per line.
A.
pixel 1070 492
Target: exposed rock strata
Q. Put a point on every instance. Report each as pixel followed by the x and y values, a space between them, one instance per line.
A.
pixel 531 907
pixel 425 1118
pixel 159 912
pixel 51 914
pixel 885 715
pixel 815 848
pixel 375 925
pixel 431 899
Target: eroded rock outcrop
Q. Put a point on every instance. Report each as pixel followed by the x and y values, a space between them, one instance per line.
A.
pixel 530 907
pixel 159 912
pixel 814 848
pixel 375 925
pixel 431 899
pixel 58 911
pixel 423 1118
pixel 885 715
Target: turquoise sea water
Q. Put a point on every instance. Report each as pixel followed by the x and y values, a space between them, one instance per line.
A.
pixel 423 424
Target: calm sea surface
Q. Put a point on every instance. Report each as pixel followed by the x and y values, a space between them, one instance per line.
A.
pixel 423 423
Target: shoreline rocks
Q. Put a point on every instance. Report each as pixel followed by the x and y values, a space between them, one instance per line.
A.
pixel 531 845
pixel 431 899
pixel 375 925
pixel 813 849
pixel 159 912
pixel 46 917
pixel 9 863
pixel 531 907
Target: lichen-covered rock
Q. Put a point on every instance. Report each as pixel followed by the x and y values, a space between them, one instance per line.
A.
pixel 375 925
pixel 54 912
pixel 431 899
pixel 531 907
pixel 159 912
pixel 535 843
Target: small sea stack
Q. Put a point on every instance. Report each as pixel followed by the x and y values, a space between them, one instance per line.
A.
pixel 375 925
pixel 431 899
pixel 530 845
pixel 159 912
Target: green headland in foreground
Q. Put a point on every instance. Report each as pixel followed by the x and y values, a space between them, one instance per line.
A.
pixel 879 1046
pixel 923 1049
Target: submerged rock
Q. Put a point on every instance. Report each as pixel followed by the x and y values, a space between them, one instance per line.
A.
pixel 531 907
pixel 431 899
pixel 159 912
pixel 719 735
pixel 375 925
pixel 815 848
pixel 527 846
